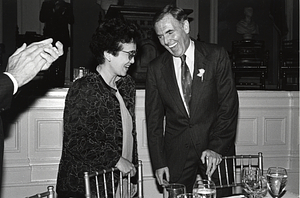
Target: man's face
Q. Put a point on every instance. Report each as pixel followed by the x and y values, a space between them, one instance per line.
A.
pixel 173 35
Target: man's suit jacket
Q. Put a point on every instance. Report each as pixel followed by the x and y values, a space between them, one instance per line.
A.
pixel 56 23
pixel 6 94
pixel 214 109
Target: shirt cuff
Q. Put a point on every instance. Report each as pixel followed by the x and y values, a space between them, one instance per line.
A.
pixel 14 81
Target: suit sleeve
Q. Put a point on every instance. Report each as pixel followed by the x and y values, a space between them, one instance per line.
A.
pixel 6 92
pixel 154 116
pixel 223 135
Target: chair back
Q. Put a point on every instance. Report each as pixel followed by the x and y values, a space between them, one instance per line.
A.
pixel 103 175
pixel 233 166
pixel 49 193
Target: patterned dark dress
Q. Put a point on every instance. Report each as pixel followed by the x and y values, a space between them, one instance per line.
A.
pixel 92 137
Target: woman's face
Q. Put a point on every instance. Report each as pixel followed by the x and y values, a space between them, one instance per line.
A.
pixel 122 61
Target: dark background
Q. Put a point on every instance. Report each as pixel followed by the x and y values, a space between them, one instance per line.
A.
pixel 229 13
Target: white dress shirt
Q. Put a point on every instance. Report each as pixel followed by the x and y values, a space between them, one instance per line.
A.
pixel 190 59
pixel 13 80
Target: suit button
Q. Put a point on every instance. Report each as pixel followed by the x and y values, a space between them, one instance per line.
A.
pixel 186 145
pixel 190 125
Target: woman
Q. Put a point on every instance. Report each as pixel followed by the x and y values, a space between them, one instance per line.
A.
pixel 99 119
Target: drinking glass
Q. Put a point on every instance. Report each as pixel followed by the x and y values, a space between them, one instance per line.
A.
pixel 187 195
pixel 174 189
pixel 277 179
pixel 204 188
pixel 254 183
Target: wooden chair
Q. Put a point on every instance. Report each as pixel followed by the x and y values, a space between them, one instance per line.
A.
pixel 103 175
pixel 49 193
pixel 233 165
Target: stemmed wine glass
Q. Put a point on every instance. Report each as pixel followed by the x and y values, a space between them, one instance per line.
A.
pixel 277 179
pixel 204 188
pixel 254 183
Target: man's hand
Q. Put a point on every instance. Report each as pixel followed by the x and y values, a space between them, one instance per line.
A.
pixel 126 166
pixel 159 173
pixel 211 159
pixel 27 61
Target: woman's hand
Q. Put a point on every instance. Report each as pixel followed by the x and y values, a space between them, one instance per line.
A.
pixel 126 167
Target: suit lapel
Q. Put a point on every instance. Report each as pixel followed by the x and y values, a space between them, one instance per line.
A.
pixel 198 85
pixel 168 73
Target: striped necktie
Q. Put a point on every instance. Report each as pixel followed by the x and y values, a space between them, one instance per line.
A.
pixel 186 81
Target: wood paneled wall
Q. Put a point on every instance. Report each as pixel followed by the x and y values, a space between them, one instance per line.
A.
pixel 268 122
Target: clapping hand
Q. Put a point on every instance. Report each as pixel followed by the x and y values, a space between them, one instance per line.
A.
pixel 27 61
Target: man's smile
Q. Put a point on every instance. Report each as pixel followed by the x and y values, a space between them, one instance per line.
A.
pixel 173 45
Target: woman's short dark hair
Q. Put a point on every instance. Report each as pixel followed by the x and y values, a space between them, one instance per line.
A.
pixel 109 36
pixel 178 13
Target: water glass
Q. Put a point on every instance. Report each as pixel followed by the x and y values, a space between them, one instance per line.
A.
pixel 174 189
pixel 205 189
pixel 277 180
pixel 187 195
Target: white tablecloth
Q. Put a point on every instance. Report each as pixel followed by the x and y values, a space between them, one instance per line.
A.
pixel 286 195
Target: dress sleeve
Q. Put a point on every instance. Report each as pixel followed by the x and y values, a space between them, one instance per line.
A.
pixel 89 133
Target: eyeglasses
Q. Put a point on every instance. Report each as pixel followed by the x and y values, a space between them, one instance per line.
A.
pixel 131 54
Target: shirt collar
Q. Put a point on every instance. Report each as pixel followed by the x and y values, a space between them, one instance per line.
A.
pixel 190 50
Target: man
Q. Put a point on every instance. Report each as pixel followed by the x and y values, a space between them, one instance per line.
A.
pixel 196 132
pixel 22 67
pixel 57 15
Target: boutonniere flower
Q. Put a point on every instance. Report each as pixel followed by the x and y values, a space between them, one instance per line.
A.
pixel 201 73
